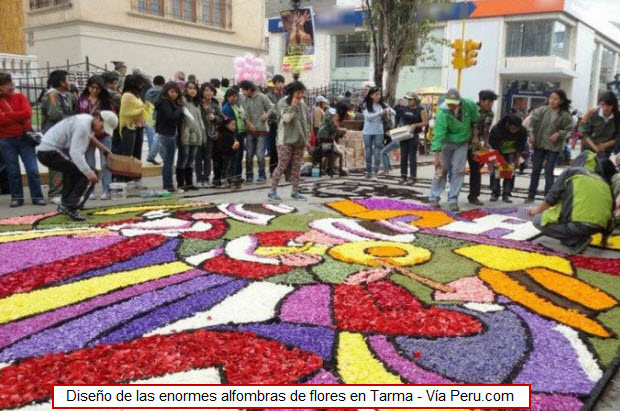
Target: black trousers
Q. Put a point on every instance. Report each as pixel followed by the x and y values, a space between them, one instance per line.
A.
pixel 74 183
pixel 272 147
pixel 131 145
pixel 409 154
pixel 475 180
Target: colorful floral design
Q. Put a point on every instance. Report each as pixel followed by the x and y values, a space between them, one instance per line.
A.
pixel 256 293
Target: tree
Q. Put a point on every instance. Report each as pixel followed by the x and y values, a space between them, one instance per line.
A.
pixel 398 35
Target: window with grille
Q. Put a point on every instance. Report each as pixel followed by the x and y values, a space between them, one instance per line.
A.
pixel 41 4
pixel 154 7
pixel 537 38
pixel 184 10
pixel 216 13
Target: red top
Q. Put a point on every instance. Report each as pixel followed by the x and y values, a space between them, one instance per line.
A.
pixel 15 115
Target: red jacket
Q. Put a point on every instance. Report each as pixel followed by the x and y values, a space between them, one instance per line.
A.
pixel 15 115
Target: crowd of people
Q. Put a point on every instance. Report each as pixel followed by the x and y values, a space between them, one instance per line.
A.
pixel 206 132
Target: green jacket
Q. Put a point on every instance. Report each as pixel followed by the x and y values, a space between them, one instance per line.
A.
pixel 328 130
pixel 450 129
pixel 542 126
pixel 599 130
pixel 193 130
pixel 255 107
pixel 579 196
pixel 54 113
pixel 294 125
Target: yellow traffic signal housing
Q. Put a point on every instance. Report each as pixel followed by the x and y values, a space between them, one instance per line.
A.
pixel 471 52
pixel 458 61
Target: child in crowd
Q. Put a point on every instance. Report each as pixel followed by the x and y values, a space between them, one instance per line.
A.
pixel 226 146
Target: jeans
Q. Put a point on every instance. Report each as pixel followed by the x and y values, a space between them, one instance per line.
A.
pixel 237 169
pixel 74 183
pixel 372 145
pixel 204 157
pixel 453 157
pixel 409 153
pixel 507 185
pixel 106 176
pixel 12 149
pixel 153 142
pixel 385 154
pixel 539 157
pixel 255 147
pixel 475 179
pixel 570 234
pixel 167 151
pixel 187 156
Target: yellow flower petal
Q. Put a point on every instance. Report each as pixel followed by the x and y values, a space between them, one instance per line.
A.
pixel 506 259
pixel 29 235
pixel 357 365
pixel 380 253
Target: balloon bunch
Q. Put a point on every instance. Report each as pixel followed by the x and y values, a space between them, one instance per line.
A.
pixel 250 68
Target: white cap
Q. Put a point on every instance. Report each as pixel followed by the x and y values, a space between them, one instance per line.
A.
pixel 321 99
pixel 110 121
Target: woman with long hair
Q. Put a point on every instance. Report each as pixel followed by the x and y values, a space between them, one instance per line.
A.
pixel 549 126
pixel 600 128
pixel 169 109
pixel 133 114
pixel 376 112
pixel 94 99
pixel 211 116
pixel 293 134
pixel 192 136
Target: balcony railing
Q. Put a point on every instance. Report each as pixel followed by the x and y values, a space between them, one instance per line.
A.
pixel 211 13
pixel 42 4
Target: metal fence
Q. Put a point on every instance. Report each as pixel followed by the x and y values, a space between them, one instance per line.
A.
pixel 333 93
pixel 33 82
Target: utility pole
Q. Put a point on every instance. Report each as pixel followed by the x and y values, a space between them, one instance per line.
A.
pixel 295 5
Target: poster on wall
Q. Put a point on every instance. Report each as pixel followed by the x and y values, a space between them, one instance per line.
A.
pixel 298 39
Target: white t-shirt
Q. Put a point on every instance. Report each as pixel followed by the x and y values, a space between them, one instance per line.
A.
pixel 70 137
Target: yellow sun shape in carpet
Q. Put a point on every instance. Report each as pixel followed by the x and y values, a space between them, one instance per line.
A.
pixel 380 253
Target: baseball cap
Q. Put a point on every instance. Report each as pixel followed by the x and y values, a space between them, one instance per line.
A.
pixel 412 96
pixel 453 97
pixel 110 121
pixel 321 99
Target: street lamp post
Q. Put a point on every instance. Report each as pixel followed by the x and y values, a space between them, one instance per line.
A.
pixel 295 5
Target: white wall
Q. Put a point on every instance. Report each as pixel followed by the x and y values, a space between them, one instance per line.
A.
pixel 584 49
pixel 154 53
pixel 485 74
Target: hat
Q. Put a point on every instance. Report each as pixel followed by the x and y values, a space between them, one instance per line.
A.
pixel 110 121
pixel 413 96
pixel 321 99
pixel 453 97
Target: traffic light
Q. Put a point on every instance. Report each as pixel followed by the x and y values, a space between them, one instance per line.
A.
pixel 458 61
pixel 471 52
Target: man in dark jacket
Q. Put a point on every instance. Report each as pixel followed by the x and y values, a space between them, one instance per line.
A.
pixel 508 137
pixel 486 98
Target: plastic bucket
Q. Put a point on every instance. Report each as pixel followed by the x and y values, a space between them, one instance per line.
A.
pixel 118 190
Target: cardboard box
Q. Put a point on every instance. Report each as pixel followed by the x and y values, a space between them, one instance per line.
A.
pixel 124 166
pixel 489 156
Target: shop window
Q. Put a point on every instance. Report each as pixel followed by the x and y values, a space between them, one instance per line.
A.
pixel 537 38
pixel 352 50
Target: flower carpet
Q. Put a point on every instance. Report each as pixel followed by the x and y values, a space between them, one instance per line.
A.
pixel 361 291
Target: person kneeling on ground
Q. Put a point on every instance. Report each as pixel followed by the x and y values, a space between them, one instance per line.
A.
pixel 328 136
pixel 63 148
pixel 578 205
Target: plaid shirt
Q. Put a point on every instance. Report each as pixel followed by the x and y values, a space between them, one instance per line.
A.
pixel 484 125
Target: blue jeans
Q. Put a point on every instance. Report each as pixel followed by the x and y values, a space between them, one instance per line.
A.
pixel 12 150
pixel 106 176
pixel 539 157
pixel 256 147
pixel 453 157
pixel 153 142
pixel 385 154
pixel 372 145
pixel 167 151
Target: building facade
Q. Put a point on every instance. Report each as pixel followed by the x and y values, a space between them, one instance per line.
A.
pixel 201 37
pixel 529 47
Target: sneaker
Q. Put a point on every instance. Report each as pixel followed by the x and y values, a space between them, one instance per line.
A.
pixel 249 180
pixel 507 200
pixel 529 200
pixel 368 176
pixel 139 185
pixel 494 198
pixel 296 195
pixel 153 161
pixel 454 207
pixel 39 202
pixel 92 196
pixel 176 191
pixel 412 181
pixel 16 203
pixel 403 180
pixel 273 196
pixel 191 188
pixel 385 173
pixel 578 248
pixel 434 204
pixel 475 201
pixel 72 214
pixel 55 200
pixel 261 180
pixel 105 197
pixel 375 177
